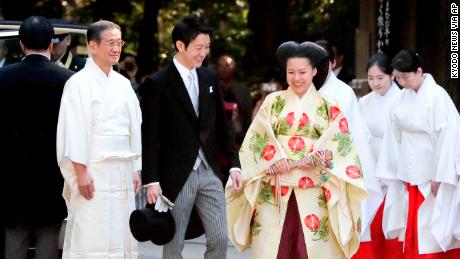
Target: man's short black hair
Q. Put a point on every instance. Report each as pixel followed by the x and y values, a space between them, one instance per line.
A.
pixel 187 30
pixel 328 47
pixel 36 33
pixel 95 30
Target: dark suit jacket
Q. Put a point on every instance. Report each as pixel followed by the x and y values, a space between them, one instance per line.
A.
pixel 29 107
pixel 172 133
pixel 77 63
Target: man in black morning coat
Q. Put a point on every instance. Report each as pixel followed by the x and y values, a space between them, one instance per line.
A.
pixel 32 183
pixel 184 128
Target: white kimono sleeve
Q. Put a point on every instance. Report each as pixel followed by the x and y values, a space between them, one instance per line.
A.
pixel 393 222
pixel 74 128
pixel 135 132
pixel 445 130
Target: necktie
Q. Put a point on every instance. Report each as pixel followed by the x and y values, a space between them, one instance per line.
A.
pixel 192 91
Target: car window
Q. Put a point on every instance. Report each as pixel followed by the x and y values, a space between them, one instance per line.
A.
pixel 10 50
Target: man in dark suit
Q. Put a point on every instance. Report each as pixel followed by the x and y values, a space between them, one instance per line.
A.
pixel 184 128
pixel 62 55
pixel 29 106
pixel 339 70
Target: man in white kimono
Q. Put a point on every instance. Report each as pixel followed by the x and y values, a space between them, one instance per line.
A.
pixel 98 151
pixel 348 103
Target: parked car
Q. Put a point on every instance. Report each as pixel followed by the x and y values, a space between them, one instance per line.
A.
pixel 9 39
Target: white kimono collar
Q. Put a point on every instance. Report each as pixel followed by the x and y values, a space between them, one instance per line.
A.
pixel 92 66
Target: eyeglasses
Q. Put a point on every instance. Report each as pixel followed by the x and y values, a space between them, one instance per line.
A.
pixel 113 43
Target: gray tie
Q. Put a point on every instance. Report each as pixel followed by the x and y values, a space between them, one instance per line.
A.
pixel 192 91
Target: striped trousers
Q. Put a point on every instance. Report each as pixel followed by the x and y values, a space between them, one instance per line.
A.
pixel 203 189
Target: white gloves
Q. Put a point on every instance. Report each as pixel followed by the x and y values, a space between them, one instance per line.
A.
pixel 163 204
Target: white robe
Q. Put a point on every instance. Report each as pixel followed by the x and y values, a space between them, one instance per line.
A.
pixel 348 103
pixel 417 148
pixel 374 110
pixel 99 126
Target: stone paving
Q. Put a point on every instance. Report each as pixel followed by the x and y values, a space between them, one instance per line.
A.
pixel 194 249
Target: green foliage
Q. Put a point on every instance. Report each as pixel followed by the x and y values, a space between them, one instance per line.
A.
pixel 257 145
pixel 283 128
pixel 344 143
pixel 227 17
pixel 322 233
pixel 256 228
pixel 322 203
pixel 316 132
pixel 266 194
pixel 358 163
pixel 278 106
pixel 323 110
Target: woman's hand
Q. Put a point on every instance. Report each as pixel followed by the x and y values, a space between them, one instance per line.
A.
pixel 282 166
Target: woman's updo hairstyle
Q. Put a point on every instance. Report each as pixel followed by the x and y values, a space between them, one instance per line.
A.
pixel 406 61
pixel 382 61
pixel 308 50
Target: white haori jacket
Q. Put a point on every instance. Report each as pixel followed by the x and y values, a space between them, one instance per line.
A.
pixel 375 110
pixel 419 147
pixel 348 103
pixel 99 126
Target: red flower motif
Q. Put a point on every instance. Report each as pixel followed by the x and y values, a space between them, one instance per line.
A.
pixel 327 194
pixel 290 119
pixel 353 172
pixel 312 222
pixel 284 190
pixel 334 111
pixel 306 182
pixel 268 152
pixel 304 120
pixel 310 150
pixel 296 144
pixel 343 125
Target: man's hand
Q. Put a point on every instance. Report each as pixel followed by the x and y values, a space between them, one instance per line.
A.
pixel 434 187
pixel 84 181
pixel 137 181
pixel 237 180
pixel 153 191
pixel 85 184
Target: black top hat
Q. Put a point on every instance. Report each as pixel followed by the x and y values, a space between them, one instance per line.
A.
pixel 149 224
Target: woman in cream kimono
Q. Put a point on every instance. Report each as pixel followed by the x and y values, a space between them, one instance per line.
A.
pixel 375 108
pixel 417 163
pixel 316 211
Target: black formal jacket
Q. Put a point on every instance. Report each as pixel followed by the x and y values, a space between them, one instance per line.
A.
pixel 76 64
pixel 29 106
pixel 172 133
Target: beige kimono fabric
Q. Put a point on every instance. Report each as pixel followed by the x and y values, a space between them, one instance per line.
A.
pixel 329 200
